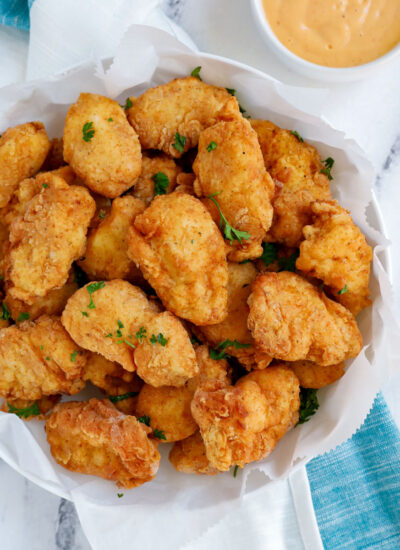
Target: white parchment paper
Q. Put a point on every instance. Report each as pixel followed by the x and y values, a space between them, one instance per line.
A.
pixel 176 508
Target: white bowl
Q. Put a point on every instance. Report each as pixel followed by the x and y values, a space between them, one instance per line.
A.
pixel 312 70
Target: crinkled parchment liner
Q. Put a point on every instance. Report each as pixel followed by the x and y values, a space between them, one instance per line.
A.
pixel 149 57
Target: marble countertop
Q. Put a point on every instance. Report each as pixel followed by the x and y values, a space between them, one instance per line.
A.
pixel 368 111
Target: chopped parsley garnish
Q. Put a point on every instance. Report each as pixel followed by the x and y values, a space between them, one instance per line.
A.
pixel 343 291
pixel 120 495
pixel 102 214
pixel 144 420
pixel 24 316
pixel 122 396
pixel 230 233
pixel 308 404
pixel 179 142
pixel 219 351
pixel 235 470
pixel 120 324
pixel 88 131
pixel 161 182
pixel 109 335
pixel 269 253
pixel 80 277
pixel 158 339
pixel 33 410
pixel 110 120
pixel 141 334
pixel 194 340
pixel 45 185
pixel 41 347
pixel 288 264
pixel 211 146
pixel 73 356
pixel 92 288
pixel 159 434
pixel 232 91
pixel 47 358
pixel 5 312
pixel 296 134
pixel 196 72
pixel 329 162
pixel 129 343
pixel 128 104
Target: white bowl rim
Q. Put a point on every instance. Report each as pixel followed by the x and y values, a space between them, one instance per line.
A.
pixel 259 12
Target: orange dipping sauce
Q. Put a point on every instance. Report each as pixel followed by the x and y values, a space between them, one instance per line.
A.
pixel 335 33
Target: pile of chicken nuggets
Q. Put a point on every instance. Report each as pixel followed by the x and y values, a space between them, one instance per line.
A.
pixel 187 261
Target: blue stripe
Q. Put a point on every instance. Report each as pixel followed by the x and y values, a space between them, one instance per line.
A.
pixel 356 488
pixel 15 13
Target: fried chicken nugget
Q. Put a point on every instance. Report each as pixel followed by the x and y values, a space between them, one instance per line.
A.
pixel 183 106
pixel 336 252
pixel 233 173
pixel 106 254
pixel 234 327
pixel 158 177
pixel 103 317
pixel 296 168
pixel 28 409
pixel 189 456
pixel 39 358
pixel 210 370
pixel 46 240
pixel 52 304
pixel 315 376
pixel 291 319
pixel 101 146
pixel 94 438
pixel 166 356
pixel 4 240
pixel 243 423
pixel 23 150
pixel 181 253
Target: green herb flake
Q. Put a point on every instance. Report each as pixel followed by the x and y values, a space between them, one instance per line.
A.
pixel 194 340
pixel 93 287
pixel 141 334
pixel 230 233
pixel 5 312
pixel 85 313
pixel 41 347
pixel 269 253
pixel 120 324
pixel 231 91
pixel 288 264
pixel 109 335
pixel 73 356
pixel 144 420
pixel 88 131
pixel 218 352
pixel 102 214
pixel 196 72
pixel 158 339
pixel 343 291
pixel 211 146
pixel 122 396
pixel 308 404
pixel 128 104
pixel 161 182
pixel 110 120
pixel 129 343
pixel 33 410
pixel 120 495
pixel 45 185
pixel 235 470
pixel 179 143
pixel 159 434
pixel 329 162
pixel 47 358
pixel 296 134
pixel 24 316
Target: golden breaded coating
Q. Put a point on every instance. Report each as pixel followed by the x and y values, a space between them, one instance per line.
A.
pixel 23 150
pixel 158 177
pixel 168 408
pixel 4 240
pixel 233 172
pixel 101 146
pixel 296 167
pixel 210 370
pixel 315 376
pixel 28 410
pixel 52 304
pixel 94 438
pixel 291 319
pixel 189 456
pixel 46 240
pixel 55 156
pixel 242 424
pixel 39 358
pixel 165 357
pixel 181 253
pixel 336 252
pixel 185 106
pixel 234 327
pixel 106 254
pixel 184 183
pixel 104 317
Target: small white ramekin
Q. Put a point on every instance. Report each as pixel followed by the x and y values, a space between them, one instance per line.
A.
pixel 312 70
